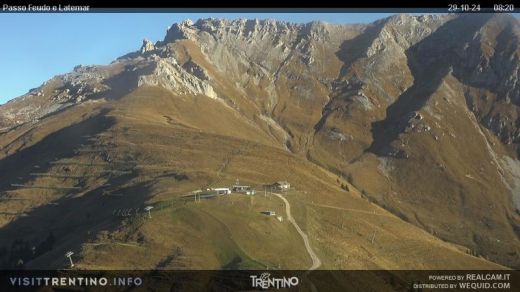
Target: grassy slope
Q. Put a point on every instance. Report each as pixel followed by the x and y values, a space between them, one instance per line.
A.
pixel 203 144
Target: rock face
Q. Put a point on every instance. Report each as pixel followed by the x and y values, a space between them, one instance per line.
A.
pixel 170 75
pixel 436 98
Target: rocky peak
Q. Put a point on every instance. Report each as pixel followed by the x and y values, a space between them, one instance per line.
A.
pixel 187 23
pixel 183 30
pixel 147 46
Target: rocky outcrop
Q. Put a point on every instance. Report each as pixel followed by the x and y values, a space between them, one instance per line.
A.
pixel 147 46
pixel 183 30
pixel 170 75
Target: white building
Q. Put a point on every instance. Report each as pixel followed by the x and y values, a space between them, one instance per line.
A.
pixel 222 191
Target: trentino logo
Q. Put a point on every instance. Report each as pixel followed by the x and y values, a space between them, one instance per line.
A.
pixel 265 281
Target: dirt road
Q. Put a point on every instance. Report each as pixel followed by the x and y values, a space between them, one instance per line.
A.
pixel 316 262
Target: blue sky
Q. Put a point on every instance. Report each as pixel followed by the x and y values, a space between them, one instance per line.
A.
pixel 36 47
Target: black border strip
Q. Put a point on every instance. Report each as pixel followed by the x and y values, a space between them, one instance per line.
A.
pixel 268 5
pixel 233 280
pixel 434 10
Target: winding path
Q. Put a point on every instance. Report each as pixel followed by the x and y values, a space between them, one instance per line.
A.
pixel 316 262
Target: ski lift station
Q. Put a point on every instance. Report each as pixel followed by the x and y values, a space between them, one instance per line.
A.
pixel 243 189
pixel 281 185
